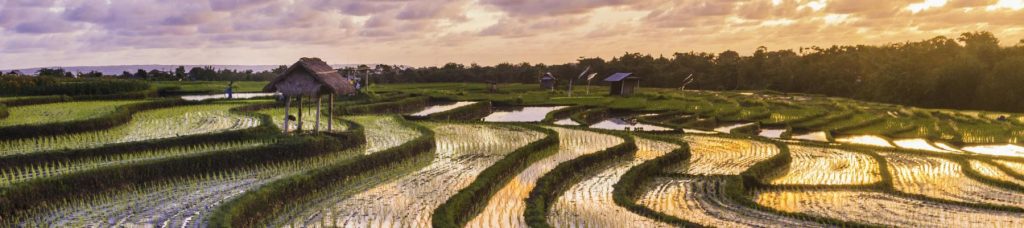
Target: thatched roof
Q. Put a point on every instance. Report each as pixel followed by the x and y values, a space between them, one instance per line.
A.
pixel 329 79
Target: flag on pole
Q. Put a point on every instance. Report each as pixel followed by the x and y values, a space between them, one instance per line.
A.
pixel 584 72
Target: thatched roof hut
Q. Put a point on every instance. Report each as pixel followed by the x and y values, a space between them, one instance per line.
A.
pixel 310 77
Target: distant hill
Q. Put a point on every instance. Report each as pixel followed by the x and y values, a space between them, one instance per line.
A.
pixel 116 70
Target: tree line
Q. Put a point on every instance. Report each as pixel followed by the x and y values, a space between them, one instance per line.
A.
pixel 207 73
pixel 968 72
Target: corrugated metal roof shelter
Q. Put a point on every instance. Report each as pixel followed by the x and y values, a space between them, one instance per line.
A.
pixel 623 84
pixel 310 77
pixel 548 81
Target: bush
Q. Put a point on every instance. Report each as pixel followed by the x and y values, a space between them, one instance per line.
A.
pixel 471 200
pixel 35 86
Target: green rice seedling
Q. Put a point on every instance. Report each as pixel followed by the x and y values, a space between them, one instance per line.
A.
pixel 704 200
pixel 993 171
pixel 945 179
pixel 463 150
pixel 506 207
pixel 152 124
pixel 881 209
pixel 721 155
pixel 828 166
pixel 61 112
pixel 14 174
pixel 589 203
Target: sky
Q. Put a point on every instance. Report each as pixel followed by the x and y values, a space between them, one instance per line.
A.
pixel 40 33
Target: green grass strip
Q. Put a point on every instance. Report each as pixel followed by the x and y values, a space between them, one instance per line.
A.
pixel 471 200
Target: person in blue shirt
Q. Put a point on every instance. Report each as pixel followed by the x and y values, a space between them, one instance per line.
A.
pixel 229 90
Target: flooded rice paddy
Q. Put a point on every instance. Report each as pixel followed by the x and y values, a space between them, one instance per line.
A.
pixel 520 114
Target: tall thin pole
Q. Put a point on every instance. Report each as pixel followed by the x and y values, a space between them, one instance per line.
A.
pixel 299 128
pixel 330 112
pixel 588 86
pixel 316 128
pixel 287 105
pixel 570 87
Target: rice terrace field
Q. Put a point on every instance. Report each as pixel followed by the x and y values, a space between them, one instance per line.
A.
pixel 469 155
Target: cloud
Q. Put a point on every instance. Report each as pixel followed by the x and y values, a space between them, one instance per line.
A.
pixel 417 31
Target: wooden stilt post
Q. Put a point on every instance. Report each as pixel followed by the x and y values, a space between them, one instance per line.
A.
pixel 316 128
pixel 287 105
pixel 299 128
pixel 330 112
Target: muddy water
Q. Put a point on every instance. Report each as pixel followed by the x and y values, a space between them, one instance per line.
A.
pixel 506 207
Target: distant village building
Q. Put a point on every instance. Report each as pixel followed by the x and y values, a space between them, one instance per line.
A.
pixel 547 81
pixel 313 78
pixel 623 84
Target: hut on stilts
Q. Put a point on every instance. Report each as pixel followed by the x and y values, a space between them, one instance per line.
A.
pixel 313 78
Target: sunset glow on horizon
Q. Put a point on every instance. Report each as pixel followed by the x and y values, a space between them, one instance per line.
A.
pixel 40 33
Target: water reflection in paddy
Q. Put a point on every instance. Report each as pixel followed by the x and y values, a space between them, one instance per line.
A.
pixel 918 144
pixel 819 136
pixel 869 140
pixel 728 128
pixel 441 108
pixel 566 122
pixel 521 114
pixel 622 124
pixel 224 96
pixel 772 133
pixel 999 150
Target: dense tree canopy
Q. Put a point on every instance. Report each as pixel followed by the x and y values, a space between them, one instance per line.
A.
pixel 969 72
